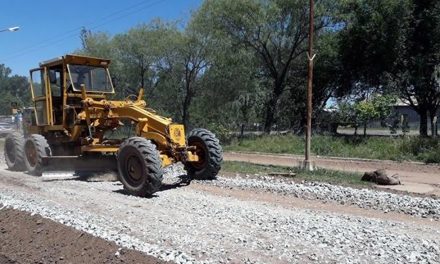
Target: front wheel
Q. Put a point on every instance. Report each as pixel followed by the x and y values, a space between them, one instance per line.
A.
pixel 210 155
pixel 139 167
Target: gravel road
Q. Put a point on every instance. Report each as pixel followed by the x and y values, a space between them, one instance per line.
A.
pixel 415 176
pixel 239 220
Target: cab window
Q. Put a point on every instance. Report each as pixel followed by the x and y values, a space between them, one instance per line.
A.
pixel 55 81
pixel 37 83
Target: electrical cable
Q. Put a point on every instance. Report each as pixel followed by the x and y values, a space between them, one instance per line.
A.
pixel 73 32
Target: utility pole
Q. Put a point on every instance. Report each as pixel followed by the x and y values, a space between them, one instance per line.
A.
pixel 311 56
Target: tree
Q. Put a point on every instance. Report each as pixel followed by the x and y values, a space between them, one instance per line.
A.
pixel 274 30
pixel 13 89
pixel 356 113
pixel 167 62
pixel 235 59
pixel 97 44
pixel 102 45
pixel 230 77
pixel 244 107
pixel 195 53
pixel 378 108
pixel 137 51
pixel 417 67
pixel 394 45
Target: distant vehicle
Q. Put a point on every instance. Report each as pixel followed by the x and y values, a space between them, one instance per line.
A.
pixel 7 125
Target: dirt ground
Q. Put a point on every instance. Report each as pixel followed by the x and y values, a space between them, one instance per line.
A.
pixel 415 177
pixel 33 239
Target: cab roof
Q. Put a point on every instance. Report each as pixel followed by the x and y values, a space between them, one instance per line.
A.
pixel 76 59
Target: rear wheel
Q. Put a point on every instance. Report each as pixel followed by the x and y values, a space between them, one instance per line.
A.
pixel 210 155
pixel 36 149
pixel 14 152
pixel 139 166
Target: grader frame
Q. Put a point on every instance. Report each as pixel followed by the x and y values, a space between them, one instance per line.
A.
pixel 72 117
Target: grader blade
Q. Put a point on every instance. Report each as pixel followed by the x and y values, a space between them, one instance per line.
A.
pixel 80 164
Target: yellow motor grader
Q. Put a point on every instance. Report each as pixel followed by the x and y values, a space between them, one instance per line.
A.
pixel 72 119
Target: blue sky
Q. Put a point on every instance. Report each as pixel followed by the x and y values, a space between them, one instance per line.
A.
pixel 50 28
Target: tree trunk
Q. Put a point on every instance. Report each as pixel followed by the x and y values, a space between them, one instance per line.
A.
pixel 270 114
pixel 185 114
pixel 242 130
pixel 185 109
pixel 365 129
pixel 423 129
pixel 142 74
pixel 271 106
pixel 433 122
pixel 142 81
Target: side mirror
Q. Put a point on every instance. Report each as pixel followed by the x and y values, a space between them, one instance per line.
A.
pixel 52 77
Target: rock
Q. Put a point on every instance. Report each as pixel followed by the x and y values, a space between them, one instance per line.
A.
pixel 368 176
pixel 380 177
pixel 395 180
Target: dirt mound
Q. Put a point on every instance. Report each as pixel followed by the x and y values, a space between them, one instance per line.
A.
pixel 33 239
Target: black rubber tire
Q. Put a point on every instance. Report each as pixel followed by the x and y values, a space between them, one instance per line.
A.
pixel 139 156
pixel 208 147
pixel 35 149
pixel 14 152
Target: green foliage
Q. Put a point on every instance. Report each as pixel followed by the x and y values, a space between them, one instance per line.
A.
pixel 393 45
pixel 13 89
pixel 236 59
pixel 417 149
pixel 378 108
pixel 275 32
pixel 184 72
pixel 371 39
pixel 221 132
pixel 425 149
pixel 237 63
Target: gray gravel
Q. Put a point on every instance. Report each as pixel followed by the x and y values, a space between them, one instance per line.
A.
pixel 186 225
pixel 363 198
pixel 92 224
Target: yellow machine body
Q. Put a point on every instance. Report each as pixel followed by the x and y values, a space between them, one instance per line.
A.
pixel 73 112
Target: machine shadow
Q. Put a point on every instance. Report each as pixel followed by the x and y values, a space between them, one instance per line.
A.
pixel 183 181
pixel 111 176
pixel 86 176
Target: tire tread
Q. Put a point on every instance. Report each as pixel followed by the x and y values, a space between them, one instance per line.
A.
pixel 152 162
pixel 18 141
pixel 215 155
pixel 43 150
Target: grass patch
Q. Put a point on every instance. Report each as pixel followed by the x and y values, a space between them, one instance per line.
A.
pixel 319 175
pixel 383 148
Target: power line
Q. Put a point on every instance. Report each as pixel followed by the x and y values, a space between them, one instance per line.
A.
pixel 62 37
pixel 75 30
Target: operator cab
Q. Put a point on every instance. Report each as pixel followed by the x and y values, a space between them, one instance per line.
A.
pixel 56 87
pixel 96 79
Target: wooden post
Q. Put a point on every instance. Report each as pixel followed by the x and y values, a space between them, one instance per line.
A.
pixel 311 56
